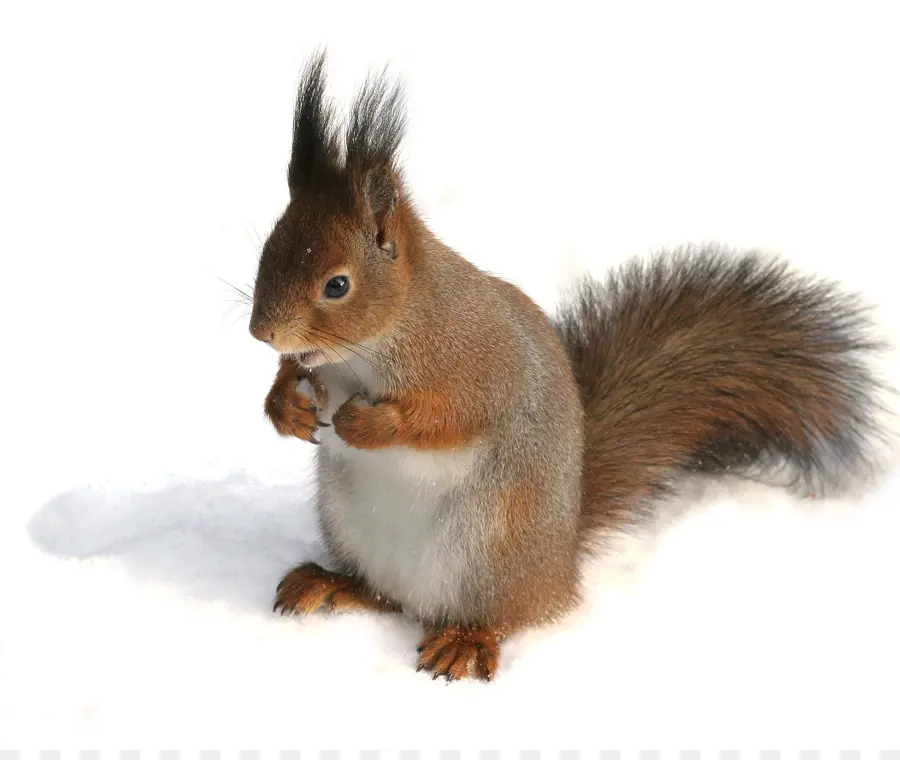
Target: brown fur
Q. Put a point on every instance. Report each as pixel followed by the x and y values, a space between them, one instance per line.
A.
pixel 701 360
pixel 420 420
pixel 530 596
pixel 310 588
pixel 292 412
pixel 709 360
pixel 455 652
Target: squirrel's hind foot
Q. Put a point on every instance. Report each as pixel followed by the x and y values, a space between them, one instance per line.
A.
pixel 455 652
pixel 310 588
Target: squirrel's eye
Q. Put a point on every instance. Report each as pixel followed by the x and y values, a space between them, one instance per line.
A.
pixel 337 287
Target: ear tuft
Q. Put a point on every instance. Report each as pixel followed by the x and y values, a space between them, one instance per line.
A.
pixel 377 124
pixel 376 128
pixel 315 149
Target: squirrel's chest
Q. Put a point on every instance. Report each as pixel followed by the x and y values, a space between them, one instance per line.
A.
pixel 393 514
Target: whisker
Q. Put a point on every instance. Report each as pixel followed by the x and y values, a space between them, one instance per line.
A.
pixel 357 355
pixel 346 341
pixel 231 309
pixel 252 242
pixel 259 242
pixel 297 333
pixel 362 385
pixel 245 297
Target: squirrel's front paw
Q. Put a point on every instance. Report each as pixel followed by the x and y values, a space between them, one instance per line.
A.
pixel 366 423
pixel 293 411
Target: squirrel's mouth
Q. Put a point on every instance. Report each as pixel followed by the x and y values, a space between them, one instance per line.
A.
pixel 310 358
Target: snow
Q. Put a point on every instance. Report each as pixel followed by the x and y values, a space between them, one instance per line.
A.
pixel 149 510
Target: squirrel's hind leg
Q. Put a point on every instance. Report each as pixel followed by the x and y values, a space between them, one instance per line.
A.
pixel 310 588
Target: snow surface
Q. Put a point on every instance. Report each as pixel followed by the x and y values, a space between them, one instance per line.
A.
pixel 148 510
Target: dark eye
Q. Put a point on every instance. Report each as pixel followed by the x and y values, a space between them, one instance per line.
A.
pixel 337 287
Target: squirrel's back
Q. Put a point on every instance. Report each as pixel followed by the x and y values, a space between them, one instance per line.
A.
pixel 708 360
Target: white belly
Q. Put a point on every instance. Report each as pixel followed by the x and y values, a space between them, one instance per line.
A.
pixel 392 512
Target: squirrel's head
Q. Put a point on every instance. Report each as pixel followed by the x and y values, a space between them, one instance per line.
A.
pixel 334 270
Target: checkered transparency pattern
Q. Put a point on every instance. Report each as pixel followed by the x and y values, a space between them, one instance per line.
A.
pixel 486 754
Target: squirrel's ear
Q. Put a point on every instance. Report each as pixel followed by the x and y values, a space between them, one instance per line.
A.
pixel 380 193
pixel 374 132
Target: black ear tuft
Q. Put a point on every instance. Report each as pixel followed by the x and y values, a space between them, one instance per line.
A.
pixel 315 146
pixel 377 124
pixel 376 128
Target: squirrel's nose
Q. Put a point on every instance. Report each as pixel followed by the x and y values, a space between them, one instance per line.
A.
pixel 261 332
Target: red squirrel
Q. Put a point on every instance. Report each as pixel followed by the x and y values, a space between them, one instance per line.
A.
pixel 470 448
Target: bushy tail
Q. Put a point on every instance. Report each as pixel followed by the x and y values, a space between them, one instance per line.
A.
pixel 706 360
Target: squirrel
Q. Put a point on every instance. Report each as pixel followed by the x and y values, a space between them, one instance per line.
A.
pixel 470 448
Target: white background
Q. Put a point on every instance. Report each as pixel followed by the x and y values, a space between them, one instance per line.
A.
pixel 148 510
